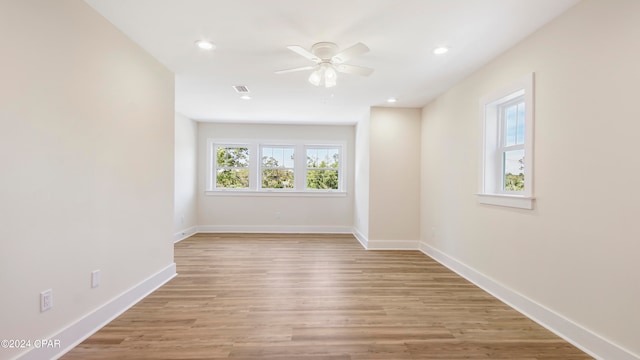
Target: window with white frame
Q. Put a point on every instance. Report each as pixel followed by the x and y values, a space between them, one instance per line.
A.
pixel 277 168
pixel 507 154
pixel 510 150
pixel 239 166
pixel 231 167
pixel 323 168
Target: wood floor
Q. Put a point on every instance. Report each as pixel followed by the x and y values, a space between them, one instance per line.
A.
pixel 265 296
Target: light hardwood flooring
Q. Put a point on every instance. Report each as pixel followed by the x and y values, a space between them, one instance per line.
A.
pixel 267 296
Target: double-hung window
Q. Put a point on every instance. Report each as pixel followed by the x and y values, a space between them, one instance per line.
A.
pixel 231 166
pixel 277 169
pixel 323 168
pixel 511 147
pixel 506 176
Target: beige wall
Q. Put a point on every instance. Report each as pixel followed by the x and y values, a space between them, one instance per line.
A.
pixel 577 252
pixel 277 213
pixel 186 161
pixel 86 149
pixel 394 174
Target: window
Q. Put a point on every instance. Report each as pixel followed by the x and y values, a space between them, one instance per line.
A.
pixel 277 168
pixel 273 169
pixel 511 148
pixel 507 171
pixel 231 167
pixel 323 165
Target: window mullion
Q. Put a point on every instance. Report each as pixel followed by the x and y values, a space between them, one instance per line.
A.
pixel 300 163
pixel 253 167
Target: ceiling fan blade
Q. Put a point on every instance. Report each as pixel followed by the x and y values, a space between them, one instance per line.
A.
pixel 295 69
pixel 348 53
pixel 303 52
pixel 353 69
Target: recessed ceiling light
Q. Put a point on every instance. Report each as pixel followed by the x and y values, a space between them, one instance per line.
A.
pixel 392 100
pixel 440 50
pixel 205 45
pixel 245 97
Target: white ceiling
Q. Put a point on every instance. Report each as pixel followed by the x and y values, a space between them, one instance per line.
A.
pixel 251 38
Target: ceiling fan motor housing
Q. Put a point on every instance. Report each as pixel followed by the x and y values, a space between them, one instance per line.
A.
pixel 324 50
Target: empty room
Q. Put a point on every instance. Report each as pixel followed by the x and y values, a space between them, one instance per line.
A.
pixel 338 180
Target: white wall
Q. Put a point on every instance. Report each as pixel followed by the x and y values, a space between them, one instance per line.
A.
pixel 86 152
pixel 361 175
pixel 576 253
pixel 185 196
pixel 275 213
pixel 394 174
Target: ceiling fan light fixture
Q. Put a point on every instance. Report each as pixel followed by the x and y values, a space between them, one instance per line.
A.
pixel 330 76
pixel 325 75
pixel 316 77
pixel 330 72
pixel 328 62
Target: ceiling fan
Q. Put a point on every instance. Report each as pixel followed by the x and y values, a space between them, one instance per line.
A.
pixel 328 62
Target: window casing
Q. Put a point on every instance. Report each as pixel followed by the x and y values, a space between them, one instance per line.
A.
pixel 506 174
pixel 275 168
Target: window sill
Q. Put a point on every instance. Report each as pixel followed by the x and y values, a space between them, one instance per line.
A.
pixel 516 201
pixel 276 193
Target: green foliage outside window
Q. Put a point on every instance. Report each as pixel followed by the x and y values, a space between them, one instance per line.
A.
pixel 514 182
pixel 232 167
pixel 322 173
pixel 277 179
pixel 274 176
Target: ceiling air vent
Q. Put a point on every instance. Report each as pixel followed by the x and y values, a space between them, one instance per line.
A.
pixel 241 89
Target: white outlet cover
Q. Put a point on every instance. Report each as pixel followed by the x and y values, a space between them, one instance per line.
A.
pixel 95 278
pixel 46 300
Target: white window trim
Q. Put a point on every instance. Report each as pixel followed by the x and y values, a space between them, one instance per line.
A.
pixel 490 192
pixel 279 193
pixel 255 167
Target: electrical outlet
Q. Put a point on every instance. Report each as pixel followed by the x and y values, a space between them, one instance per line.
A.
pixel 95 278
pixel 46 300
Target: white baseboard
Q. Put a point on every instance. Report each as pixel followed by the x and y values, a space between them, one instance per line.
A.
pixel 384 244
pixel 582 338
pixel 274 229
pixel 392 245
pixel 360 237
pixel 181 235
pixel 77 332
